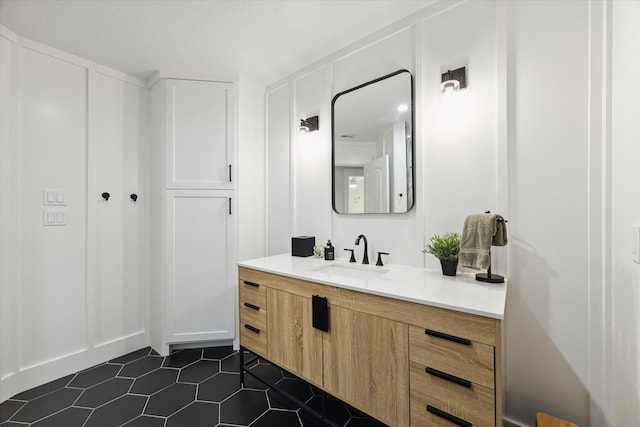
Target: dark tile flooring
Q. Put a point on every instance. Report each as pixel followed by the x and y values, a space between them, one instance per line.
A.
pixel 189 388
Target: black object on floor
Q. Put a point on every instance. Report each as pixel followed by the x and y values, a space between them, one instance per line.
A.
pixel 194 388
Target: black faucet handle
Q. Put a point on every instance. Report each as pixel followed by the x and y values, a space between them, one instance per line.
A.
pixel 353 257
pixel 379 262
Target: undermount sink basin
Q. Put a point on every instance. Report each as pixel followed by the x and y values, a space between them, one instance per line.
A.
pixel 354 271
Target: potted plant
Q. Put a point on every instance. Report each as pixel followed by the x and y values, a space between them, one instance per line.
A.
pixel 446 248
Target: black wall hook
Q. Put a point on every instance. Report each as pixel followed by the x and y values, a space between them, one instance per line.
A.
pixel 134 197
pixel 106 196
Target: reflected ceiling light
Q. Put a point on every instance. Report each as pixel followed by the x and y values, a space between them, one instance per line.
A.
pixel 454 80
pixel 402 108
pixel 308 125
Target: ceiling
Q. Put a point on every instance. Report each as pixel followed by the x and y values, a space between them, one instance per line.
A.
pixel 262 40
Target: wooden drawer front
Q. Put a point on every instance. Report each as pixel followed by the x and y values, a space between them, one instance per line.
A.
pixel 475 328
pixel 420 417
pixel 253 305
pixel 474 404
pixel 472 362
pixel 253 338
pixel 253 315
pixel 253 293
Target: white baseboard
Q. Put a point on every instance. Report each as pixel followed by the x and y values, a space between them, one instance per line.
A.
pixel 508 422
pixel 29 377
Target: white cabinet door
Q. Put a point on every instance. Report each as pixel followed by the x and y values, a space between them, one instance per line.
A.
pixel 199 135
pixel 200 300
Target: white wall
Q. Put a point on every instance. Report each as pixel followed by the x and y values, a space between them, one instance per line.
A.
pixel 547 304
pixel 251 172
pixel 520 140
pixel 278 170
pixel 116 238
pixel 625 211
pixel 72 295
pixel 311 186
pixel 399 234
pixel 412 44
pixel 460 159
pixel 9 216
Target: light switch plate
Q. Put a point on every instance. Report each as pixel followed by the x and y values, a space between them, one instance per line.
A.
pixel 635 243
pixel 53 217
pixel 53 197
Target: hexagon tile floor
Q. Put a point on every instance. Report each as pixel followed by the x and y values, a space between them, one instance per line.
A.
pixel 189 388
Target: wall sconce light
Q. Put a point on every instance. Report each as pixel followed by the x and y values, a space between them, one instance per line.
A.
pixel 454 80
pixel 309 125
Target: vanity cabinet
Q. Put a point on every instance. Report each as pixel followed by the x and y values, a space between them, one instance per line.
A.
pixel 366 363
pixel 293 342
pixel 452 380
pixel 362 359
pixel 192 224
pixel 404 363
pixel 253 316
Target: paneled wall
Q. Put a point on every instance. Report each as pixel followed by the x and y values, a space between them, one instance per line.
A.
pixel 278 170
pixel 459 143
pixel 251 173
pixel 624 296
pixel 547 305
pixel 521 141
pixel 73 294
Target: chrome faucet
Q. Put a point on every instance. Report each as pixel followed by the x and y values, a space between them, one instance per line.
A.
pixel 365 259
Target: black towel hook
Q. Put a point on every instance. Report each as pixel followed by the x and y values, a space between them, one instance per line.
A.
pixel 106 196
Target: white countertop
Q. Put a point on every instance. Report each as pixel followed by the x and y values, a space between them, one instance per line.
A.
pixel 430 287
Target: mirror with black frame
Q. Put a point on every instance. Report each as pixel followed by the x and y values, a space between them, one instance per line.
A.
pixel 372 135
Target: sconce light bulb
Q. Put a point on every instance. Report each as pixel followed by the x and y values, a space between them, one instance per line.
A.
pixel 450 86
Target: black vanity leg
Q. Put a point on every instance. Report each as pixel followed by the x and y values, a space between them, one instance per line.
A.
pixel 323 406
pixel 241 366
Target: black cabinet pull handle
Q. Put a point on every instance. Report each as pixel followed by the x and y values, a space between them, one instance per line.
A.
pixel 448 337
pixel 252 329
pixel 248 283
pixel 451 418
pixel 134 197
pixel 320 313
pixel 448 377
pixel 251 306
pixel 106 196
pixel 230 175
pixel 230 213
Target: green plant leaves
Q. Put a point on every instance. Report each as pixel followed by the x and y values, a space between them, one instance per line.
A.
pixel 445 247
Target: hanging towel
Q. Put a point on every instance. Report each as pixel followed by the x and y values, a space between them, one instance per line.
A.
pixel 479 233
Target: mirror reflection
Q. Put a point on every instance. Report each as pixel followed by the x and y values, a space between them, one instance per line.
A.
pixel 373 146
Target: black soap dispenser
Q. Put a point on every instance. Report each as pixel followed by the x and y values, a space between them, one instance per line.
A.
pixel 329 252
